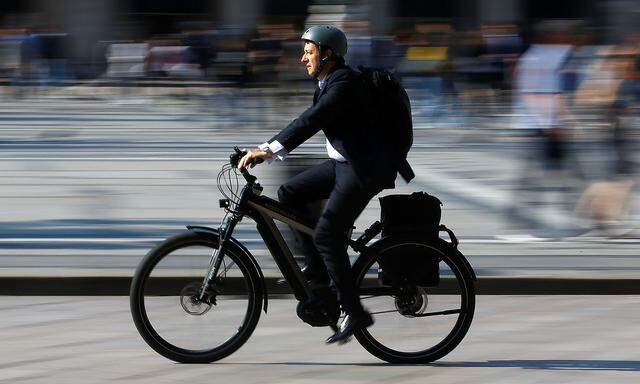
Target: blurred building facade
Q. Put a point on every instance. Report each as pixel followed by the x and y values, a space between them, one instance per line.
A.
pixel 77 34
pixel 560 77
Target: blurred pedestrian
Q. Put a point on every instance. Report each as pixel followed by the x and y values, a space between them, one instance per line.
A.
pixel 541 113
pixel 616 93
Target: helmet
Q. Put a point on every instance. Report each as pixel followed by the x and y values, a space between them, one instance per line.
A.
pixel 327 36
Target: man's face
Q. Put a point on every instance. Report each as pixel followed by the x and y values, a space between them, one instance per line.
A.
pixel 310 58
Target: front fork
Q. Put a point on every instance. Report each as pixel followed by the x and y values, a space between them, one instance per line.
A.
pixel 226 229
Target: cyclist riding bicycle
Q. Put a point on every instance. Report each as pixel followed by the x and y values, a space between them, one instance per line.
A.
pixel 361 164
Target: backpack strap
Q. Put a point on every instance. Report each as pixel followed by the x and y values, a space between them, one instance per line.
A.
pixel 406 171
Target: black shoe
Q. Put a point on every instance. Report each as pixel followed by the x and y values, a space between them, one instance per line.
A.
pixel 350 324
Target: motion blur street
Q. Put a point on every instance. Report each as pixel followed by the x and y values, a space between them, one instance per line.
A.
pixel 115 118
pixel 90 184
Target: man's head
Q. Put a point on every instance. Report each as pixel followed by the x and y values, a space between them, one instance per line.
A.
pixel 311 58
pixel 324 45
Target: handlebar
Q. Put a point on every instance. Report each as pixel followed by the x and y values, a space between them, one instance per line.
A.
pixel 234 159
pixel 238 154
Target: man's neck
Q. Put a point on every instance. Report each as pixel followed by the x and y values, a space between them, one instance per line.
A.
pixel 325 71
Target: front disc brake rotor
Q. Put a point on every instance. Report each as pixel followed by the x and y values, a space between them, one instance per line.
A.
pixel 190 301
pixel 412 303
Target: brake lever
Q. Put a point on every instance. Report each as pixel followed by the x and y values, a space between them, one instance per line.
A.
pixel 234 158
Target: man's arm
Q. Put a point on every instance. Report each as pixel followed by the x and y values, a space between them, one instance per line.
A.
pixel 330 107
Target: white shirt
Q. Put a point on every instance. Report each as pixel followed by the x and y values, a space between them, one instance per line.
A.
pixel 281 153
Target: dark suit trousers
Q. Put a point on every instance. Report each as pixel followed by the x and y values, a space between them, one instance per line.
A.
pixel 347 198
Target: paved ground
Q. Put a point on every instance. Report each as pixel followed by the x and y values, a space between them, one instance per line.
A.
pixel 514 339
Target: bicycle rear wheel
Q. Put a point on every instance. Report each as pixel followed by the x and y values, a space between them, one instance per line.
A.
pixel 166 308
pixel 415 324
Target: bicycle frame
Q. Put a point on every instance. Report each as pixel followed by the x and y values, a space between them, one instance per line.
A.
pixel 263 210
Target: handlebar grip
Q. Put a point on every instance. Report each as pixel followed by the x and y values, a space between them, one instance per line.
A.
pixel 238 154
pixel 257 161
pixel 235 157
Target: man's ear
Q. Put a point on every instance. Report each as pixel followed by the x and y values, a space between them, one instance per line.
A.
pixel 327 53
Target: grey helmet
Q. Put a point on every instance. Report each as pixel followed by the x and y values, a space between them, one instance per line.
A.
pixel 327 36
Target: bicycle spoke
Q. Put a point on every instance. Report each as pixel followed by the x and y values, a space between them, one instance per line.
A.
pixel 228 267
pixel 369 297
pixel 382 312
pixel 440 313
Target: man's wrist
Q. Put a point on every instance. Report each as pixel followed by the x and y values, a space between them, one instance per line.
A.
pixel 274 149
pixel 265 148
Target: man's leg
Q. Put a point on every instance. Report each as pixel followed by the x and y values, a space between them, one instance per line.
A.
pixel 316 183
pixel 348 199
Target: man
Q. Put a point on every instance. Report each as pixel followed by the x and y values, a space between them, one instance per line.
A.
pixel 360 166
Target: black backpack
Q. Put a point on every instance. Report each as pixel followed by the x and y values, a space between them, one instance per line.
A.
pixel 393 113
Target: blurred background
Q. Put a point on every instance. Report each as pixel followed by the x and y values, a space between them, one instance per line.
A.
pixel 116 115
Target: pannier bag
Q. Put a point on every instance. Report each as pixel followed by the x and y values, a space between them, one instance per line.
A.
pixel 413 264
pixel 417 215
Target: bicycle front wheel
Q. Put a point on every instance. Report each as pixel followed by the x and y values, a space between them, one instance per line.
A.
pixel 166 306
pixel 415 324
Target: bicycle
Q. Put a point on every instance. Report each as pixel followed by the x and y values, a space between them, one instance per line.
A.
pixel 197 297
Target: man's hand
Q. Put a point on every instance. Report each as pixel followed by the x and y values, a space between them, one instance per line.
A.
pixel 252 154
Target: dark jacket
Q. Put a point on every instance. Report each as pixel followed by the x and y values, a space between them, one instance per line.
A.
pixel 342 110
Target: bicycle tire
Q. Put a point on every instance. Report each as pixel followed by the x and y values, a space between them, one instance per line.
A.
pixel 145 326
pixel 463 276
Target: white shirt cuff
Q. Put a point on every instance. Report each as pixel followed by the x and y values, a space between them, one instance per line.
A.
pixel 276 148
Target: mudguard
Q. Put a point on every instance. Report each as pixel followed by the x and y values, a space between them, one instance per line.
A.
pixel 440 243
pixel 214 232
pixel 467 264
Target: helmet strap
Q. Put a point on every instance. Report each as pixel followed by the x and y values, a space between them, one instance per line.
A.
pixel 321 65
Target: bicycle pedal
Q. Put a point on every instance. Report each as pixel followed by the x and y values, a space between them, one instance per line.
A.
pixel 339 342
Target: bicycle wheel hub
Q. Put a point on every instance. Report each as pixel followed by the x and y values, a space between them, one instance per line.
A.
pixel 191 302
pixel 412 302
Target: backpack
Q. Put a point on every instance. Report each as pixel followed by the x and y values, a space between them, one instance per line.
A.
pixel 392 109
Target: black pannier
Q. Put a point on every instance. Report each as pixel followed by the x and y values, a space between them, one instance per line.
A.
pixel 416 216
pixel 409 264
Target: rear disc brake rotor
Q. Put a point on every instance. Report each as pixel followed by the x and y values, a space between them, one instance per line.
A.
pixel 412 303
